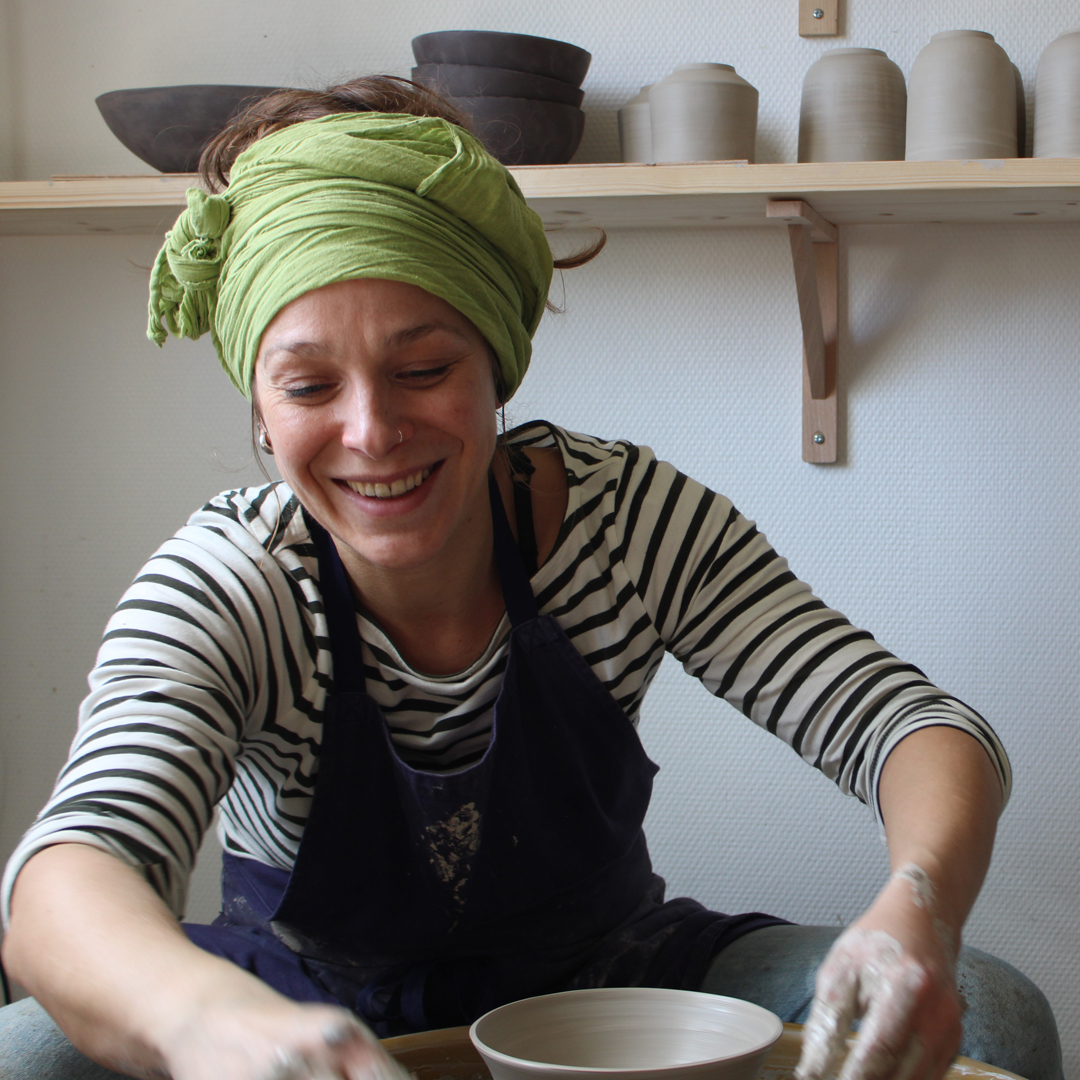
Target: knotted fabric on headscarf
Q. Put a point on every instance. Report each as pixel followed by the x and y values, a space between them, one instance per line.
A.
pixel 354 195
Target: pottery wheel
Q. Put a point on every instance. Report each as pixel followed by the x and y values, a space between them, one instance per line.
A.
pixel 448 1054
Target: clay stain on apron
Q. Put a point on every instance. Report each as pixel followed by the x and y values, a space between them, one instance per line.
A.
pixel 452 843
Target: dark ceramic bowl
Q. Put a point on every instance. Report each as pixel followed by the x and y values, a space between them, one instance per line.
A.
pixel 520 131
pixel 520 52
pixel 469 80
pixel 168 126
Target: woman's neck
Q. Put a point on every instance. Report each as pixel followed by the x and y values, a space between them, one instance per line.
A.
pixel 439 615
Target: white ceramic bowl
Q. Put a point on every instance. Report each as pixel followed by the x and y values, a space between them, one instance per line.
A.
pixel 626 1033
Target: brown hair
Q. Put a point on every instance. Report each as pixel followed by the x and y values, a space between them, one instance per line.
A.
pixel 369 93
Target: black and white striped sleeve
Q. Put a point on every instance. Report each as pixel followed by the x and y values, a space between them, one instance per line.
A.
pixel 730 609
pixel 177 677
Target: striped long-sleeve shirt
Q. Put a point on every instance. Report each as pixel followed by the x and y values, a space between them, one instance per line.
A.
pixel 211 680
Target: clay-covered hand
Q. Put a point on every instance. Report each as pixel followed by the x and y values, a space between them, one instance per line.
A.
pixel 894 969
pixel 285 1041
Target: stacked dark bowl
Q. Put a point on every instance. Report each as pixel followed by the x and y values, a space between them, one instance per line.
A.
pixel 523 93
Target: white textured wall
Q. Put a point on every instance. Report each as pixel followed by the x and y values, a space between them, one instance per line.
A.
pixel 950 530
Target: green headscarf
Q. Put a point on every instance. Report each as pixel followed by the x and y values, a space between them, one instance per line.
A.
pixel 354 195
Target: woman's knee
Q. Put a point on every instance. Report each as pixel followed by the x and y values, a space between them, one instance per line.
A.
pixel 774 967
pixel 1008 1022
pixel 32 1047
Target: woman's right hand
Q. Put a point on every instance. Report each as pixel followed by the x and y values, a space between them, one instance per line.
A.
pixel 103 955
pixel 275 1040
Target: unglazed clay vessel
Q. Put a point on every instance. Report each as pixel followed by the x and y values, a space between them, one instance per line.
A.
pixel 1057 98
pixel 854 107
pixel 703 112
pixel 961 99
pixel 635 128
pixel 626 1033
pixel 1021 113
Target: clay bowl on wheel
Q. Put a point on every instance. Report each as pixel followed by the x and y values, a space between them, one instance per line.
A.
pixel 471 80
pixel 631 1033
pixel 519 131
pixel 168 126
pixel 520 52
pixel 448 1054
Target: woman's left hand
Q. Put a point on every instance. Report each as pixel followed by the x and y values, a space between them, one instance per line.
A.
pixel 895 970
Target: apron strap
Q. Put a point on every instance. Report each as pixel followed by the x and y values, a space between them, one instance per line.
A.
pixel 517 592
pixel 340 613
pixel 521 470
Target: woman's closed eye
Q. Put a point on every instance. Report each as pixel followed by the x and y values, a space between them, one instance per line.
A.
pixel 294 393
pixel 425 374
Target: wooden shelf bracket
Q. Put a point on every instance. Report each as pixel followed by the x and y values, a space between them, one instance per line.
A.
pixel 814 254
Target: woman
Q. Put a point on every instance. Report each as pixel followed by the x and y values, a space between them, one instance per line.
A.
pixel 409 675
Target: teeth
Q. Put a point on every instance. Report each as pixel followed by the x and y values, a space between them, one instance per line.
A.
pixel 389 491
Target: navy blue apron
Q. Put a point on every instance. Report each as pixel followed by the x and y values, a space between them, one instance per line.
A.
pixel 422 900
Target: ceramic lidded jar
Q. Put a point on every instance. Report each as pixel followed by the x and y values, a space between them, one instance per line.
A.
pixel 854 105
pixel 703 112
pixel 961 99
pixel 1057 98
pixel 635 128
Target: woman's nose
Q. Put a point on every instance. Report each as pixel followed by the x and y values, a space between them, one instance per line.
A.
pixel 370 423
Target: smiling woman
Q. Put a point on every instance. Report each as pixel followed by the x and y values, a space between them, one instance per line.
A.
pixel 407 678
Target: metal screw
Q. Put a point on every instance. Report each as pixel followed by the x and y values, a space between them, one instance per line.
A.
pixel 818 13
pixel 818 438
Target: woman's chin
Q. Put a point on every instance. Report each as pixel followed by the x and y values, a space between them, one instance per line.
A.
pixel 400 534
pixel 388 554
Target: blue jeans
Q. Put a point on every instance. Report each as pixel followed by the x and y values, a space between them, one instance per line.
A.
pixel 1008 1022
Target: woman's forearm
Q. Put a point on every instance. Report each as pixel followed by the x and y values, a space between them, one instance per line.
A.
pixel 100 951
pixel 940 798
pixel 895 966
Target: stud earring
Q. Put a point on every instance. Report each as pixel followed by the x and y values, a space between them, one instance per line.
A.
pixel 264 442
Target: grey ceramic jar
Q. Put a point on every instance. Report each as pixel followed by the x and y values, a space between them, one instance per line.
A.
pixel 703 112
pixel 635 128
pixel 961 99
pixel 854 108
pixel 1057 98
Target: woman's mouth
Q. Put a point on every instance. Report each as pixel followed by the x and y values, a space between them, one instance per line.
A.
pixel 391 490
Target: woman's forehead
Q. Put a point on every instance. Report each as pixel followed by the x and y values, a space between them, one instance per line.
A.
pixel 392 313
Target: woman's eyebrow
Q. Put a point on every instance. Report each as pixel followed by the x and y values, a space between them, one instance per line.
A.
pixel 415 333
pixel 301 348
pixel 307 350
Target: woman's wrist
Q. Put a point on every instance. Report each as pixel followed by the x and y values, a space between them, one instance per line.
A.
pixel 208 988
pixel 908 909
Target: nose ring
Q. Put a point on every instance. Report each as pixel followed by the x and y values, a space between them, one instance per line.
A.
pixel 400 437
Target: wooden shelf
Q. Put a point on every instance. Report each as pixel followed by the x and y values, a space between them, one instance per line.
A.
pixel 696 195
pixel 704 195
pixel 810 201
